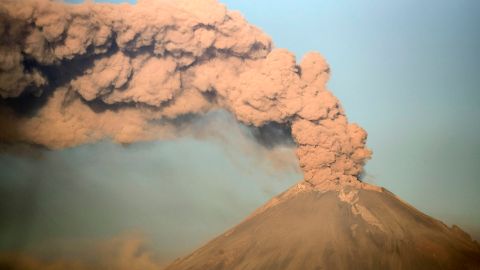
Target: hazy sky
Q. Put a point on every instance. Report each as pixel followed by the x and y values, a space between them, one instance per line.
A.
pixel 179 193
pixel 406 71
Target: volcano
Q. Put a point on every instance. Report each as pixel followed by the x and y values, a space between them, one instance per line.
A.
pixel 357 226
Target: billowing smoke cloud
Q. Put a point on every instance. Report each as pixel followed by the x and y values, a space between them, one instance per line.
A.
pixel 74 74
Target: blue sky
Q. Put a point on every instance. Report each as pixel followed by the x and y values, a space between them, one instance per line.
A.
pixel 407 71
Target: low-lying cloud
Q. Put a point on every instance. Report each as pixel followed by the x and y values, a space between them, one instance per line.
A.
pixel 124 252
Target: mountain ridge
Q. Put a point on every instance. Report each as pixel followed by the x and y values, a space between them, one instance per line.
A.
pixel 337 226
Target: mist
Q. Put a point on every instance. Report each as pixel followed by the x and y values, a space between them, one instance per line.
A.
pixel 169 191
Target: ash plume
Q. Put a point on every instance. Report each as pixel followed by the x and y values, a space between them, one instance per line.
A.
pixel 75 74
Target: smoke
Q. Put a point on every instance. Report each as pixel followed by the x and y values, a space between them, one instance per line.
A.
pixel 123 252
pixel 76 74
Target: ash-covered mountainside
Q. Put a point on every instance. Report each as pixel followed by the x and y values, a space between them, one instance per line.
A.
pixel 351 227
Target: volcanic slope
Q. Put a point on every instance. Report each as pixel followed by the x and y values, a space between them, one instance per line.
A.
pixel 348 227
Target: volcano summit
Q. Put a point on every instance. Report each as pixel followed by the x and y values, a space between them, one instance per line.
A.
pixel 343 227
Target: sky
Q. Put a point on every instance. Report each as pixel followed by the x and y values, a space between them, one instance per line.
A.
pixel 406 71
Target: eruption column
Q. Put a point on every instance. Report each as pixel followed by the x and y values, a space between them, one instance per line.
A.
pixel 74 74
